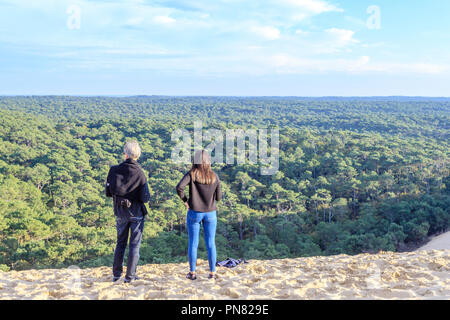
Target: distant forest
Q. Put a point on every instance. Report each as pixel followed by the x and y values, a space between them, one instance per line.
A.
pixel 357 175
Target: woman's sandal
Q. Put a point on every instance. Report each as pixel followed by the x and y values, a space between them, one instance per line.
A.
pixel 191 276
pixel 212 276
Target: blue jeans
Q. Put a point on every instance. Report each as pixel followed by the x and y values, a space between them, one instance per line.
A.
pixel 193 221
pixel 127 224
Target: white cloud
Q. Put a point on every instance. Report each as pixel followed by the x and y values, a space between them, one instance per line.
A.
pixel 165 20
pixel 313 6
pixel 290 64
pixel 407 68
pixel 299 17
pixel 296 52
pixel 363 60
pixel 329 41
pixel 267 32
pixel 341 37
pixel 428 68
pixel 300 31
pixel 135 21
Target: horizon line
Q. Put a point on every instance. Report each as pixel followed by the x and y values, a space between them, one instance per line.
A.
pixel 217 96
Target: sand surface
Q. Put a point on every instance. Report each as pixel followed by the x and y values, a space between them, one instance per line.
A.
pixel 411 275
pixel 440 242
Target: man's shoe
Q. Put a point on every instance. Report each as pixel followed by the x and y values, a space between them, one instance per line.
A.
pixel 115 279
pixel 129 280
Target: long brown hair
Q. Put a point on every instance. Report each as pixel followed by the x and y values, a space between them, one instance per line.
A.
pixel 201 168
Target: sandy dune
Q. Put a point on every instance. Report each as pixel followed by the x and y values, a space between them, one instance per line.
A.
pixel 440 242
pixel 413 275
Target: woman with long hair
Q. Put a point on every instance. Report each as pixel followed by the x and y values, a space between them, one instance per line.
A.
pixel 204 191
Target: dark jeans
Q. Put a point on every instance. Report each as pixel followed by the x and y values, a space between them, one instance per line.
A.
pixel 127 224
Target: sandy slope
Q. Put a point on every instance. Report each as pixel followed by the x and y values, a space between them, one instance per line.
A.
pixel 413 275
pixel 441 242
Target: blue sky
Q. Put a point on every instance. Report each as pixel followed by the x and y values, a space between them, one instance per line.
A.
pixel 225 47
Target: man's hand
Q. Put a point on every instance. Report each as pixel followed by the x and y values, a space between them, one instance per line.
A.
pixel 186 205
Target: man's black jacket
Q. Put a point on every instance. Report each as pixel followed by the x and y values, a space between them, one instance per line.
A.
pixel 127 184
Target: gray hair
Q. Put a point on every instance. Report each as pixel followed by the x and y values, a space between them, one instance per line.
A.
pixel 132 150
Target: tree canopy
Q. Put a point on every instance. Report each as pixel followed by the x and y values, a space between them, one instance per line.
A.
pixel 356 175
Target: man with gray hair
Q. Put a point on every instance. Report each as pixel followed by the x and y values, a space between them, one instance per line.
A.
pixel 127 185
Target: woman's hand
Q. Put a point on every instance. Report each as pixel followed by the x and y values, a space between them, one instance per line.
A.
pixel 186 205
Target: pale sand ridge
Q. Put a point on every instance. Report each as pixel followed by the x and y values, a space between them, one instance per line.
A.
pixel 411 275
pixel 440 242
